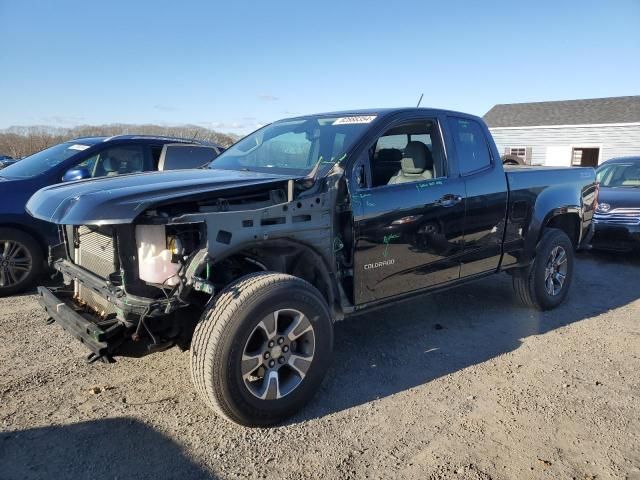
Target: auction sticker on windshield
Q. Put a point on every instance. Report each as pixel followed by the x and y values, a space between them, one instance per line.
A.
pixel 355 119
pixel 78 146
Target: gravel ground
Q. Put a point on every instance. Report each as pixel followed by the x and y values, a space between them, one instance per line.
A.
pixel 464 384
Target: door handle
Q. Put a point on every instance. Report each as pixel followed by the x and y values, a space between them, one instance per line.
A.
pixel 448 200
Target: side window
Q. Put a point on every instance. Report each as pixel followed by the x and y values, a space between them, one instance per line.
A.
pixel 410 152
pixel 89 163
pixel 182 156
pixel 117 161
pixel 471 144
pixel 120 160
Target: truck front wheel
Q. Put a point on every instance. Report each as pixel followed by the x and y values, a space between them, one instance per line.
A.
pixel 545 283
pixel 262 348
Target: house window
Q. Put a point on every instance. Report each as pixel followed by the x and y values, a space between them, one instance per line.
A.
pixel 518 151
pixel 585 157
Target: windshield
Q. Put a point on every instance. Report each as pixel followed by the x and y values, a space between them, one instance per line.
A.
pixel 619 175
pixel 42 161
pixel 295 146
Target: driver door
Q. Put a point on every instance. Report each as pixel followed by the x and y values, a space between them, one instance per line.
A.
pixel 409 230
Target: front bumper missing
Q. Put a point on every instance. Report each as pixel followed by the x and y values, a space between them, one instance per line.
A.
pixel 106 336
pixel 125 304
pixel 102 341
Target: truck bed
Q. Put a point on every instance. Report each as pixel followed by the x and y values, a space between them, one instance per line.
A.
pixel 535 192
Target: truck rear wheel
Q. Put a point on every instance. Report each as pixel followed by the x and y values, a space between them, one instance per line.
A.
pixel 545 283
pixel 261 350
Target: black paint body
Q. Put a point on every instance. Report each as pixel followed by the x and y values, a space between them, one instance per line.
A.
pixel 469 225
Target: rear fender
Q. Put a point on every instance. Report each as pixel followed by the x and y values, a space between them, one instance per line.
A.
pixel 550 203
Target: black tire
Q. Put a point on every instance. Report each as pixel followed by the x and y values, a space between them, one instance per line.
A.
pixel 16 281
pixel 529 283
pixel 223 334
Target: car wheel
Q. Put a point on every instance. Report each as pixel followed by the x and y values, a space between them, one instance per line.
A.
pixel 261 350
pixel 21 261
pixel 545 283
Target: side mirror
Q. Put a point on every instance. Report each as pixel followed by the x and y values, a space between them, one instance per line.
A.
pixel 78 173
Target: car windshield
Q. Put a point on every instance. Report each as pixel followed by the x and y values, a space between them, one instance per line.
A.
pixel 626 175
pixel 42 161
pixel 295 146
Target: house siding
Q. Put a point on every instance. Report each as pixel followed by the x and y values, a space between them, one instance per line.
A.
pixel 550 145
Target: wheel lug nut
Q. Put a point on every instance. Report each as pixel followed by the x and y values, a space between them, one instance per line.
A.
pixel 280 341
pixel 285 348
pixel 272 363
pixel 271 344
pixel 281 360
pixel 267 354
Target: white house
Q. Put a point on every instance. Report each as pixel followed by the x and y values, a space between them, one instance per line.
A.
pixel 573 132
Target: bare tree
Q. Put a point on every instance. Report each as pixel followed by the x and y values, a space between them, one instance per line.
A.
pixel 19 142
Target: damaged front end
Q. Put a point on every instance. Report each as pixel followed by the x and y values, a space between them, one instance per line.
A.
pixel 139 282
pixel 125 286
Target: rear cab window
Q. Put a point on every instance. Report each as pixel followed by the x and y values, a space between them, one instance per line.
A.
pixel 471 145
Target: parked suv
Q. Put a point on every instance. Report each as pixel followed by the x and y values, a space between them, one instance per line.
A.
pixel 24 240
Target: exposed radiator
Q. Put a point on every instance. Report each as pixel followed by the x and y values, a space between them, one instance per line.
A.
pixel 95 253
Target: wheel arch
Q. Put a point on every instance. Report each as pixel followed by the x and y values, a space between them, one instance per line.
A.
pixel 555 207
pixel 566 220
pixel 44 246
pixel 294 258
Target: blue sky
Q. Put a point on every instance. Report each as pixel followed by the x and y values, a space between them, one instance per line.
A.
pixel 234 65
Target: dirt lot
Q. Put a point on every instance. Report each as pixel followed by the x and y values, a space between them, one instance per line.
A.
pixel 464 384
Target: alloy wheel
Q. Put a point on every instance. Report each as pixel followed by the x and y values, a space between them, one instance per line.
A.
pixel 15 262
pixel 278 354
pixel 555 271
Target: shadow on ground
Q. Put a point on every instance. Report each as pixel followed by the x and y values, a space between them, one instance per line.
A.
pixel 391 350
pixel 101 449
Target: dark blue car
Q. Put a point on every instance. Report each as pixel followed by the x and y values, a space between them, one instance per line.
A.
pixel 617 218
pixel 24 240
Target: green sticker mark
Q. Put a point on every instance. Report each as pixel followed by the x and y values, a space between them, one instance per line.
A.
pixel 423 185
pixel 386 240
pixel 361 199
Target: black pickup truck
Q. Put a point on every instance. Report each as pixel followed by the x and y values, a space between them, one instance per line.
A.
pixel 306 221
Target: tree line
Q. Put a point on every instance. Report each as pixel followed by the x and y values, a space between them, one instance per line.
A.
pixel 19 142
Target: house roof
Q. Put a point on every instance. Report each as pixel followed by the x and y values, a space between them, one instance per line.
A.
pixel 567 112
